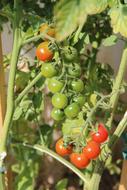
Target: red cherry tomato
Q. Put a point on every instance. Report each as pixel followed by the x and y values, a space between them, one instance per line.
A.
pixel 61 149
pixel 43 52
pixel 92 150
pixel 79 160
pixel 102 134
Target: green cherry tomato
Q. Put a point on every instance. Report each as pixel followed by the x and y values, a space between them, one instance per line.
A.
pixel 59 100
pixel 54 85
pixel 72 110
pixel 70 53
pixel 78 85
pixel 48 70
pixel 80 100
pixel 74 70
pixel 57 114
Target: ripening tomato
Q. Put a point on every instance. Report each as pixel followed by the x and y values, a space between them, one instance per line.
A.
pixel 61 149
pixel 72 110
pixel 48 70
pixel 59 100
pixel 79 160
pixel 92 150
pixel 78 85
pixel 57 114
pixel 43 52
pixel 102 134
pixel 45 28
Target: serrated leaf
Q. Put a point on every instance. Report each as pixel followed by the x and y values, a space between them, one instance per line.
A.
pixel 62 184
pixel 110 41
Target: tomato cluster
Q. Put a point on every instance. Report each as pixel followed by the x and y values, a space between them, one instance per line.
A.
pixel 63 80
pixel 89 152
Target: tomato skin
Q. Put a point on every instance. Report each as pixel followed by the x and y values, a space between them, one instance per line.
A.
pixel 45 28
pixel 80 100
pixel 72 110
pixel 70 53
pixel 48 70
pixel 59 100
pixel 43 52
pixel 61 149
pixel 54 85
pixel 78 85
pixel 79 160
pixel 57 114
pixel 102 134
pixel 74 70
pixel 92 150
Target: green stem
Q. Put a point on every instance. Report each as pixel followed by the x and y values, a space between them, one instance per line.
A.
pixel 35 38
pixel 26 90
pixel 118 132
pixel 43 149
pixel 117 85
pixel 11 82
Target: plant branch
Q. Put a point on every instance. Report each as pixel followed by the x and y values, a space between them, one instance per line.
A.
pixel 11 81
pixel 117 85
pixel 35 38
pixel 26 90
pixel 43 149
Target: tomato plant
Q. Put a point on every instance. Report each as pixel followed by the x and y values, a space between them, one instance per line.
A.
pixel 62 88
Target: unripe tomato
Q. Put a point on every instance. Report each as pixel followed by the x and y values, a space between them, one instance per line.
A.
pixel 48 70
pixel 57 114
pixel 79 160
pixel 45 28
pixel 92 150
pixel 80 100
pixel 78 85
pixel 74 70
pixel 72 110
pixel 61 149
pixel 59 100
pixel 70 53
pixel 54 85
pixel 43 52
pixel 102 134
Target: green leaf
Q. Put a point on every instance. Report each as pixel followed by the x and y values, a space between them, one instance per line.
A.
pixel 110 41
pixel 62 184
pixel 69 15
pixel 17 114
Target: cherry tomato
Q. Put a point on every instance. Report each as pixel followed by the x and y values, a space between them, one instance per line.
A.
pixel 48 70
pixel 54 85
pixel 59 100
pixel 61 149
pixel 74 70
pixel 70 53
pixel 45 28
pixel 92 150
pixel 43 52
pixel 72 110
pixel 57 114
pixel 78 85
pixel 102 134
pixel 79 160
pixel 80 100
